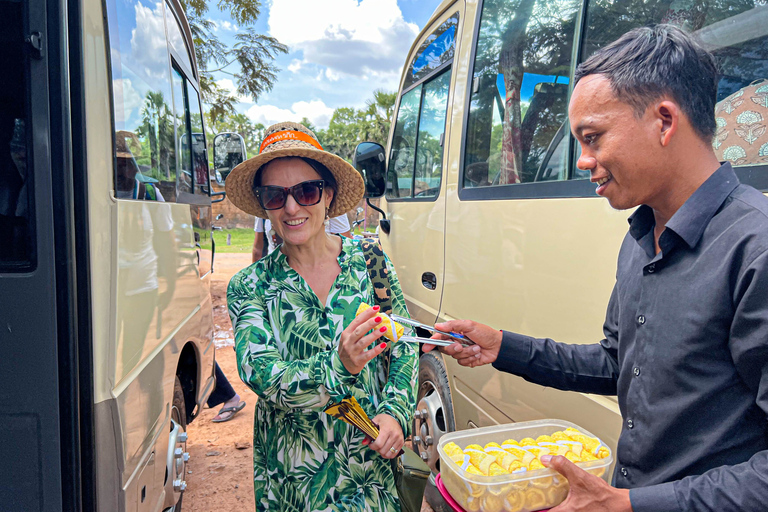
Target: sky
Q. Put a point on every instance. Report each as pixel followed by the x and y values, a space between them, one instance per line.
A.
pixel 340 51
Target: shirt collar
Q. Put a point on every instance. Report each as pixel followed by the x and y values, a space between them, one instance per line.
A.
pixel 690 221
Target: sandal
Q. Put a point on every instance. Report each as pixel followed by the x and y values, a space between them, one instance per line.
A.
pixel 233 410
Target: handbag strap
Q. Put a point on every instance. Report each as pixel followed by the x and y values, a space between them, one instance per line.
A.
pixel 379 275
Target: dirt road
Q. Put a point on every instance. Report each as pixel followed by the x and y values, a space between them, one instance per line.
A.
pixel 220 469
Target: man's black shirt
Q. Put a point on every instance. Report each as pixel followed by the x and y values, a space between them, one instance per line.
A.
pixel 685 350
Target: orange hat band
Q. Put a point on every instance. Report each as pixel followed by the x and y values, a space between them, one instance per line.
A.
pixel 289 135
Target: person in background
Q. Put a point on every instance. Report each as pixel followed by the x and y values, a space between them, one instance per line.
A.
pixel 263 230
pixel 300 345
pixel 686 330
pixel 223 393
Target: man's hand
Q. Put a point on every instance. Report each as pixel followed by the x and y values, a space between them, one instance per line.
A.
pixel 390 440
pixel 588 493
pixel 484 351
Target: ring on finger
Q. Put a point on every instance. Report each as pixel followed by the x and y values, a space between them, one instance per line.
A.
pixel 393 450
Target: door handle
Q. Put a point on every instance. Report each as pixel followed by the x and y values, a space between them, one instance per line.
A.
pixel 429 280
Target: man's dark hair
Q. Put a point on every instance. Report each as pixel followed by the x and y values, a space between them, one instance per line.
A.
pixel 649 62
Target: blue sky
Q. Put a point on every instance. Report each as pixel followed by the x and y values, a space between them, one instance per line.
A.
pixel 340 51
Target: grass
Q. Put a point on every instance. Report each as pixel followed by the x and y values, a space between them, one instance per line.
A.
pixel 242 240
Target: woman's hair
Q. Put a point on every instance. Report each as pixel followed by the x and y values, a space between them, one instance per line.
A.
pixel 325 174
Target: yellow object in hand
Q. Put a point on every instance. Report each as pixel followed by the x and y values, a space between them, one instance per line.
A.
pixel 394 329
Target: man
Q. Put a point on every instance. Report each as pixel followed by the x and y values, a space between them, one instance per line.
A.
pixel 686 330
pixel 337 225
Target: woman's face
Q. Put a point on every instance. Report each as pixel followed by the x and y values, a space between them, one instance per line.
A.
pixel 296 224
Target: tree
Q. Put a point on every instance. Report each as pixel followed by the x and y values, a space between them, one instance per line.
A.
pixel 253 54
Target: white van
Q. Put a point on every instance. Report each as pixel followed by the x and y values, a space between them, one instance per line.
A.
pixel 487 215
pixel 105 254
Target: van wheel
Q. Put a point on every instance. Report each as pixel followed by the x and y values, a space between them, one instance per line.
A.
pixel 434 409
pixel 177 447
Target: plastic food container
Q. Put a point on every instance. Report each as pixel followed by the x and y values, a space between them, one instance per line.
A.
pixel 521 492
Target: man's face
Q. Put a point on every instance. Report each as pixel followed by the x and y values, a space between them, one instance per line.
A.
pixel 621 151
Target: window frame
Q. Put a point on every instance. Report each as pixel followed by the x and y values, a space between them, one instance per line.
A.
pixel 446 66
pixel 567 188
pixel 183 196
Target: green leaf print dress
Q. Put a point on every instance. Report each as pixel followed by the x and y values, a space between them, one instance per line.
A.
pixel 286 346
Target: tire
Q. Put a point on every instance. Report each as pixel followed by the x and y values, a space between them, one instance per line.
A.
pixel 433 418
pixel 179 415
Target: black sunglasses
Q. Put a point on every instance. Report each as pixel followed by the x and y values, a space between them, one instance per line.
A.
pixel 306 193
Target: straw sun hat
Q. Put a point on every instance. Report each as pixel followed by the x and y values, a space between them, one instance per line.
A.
pixel 294 139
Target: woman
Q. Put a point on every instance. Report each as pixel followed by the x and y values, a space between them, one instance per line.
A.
pixel 299 344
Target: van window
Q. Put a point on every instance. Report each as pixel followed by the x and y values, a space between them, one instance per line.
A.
pixel 517 128
pixel 429 147
pixel 181 113
pixel 436 50
pixel 400 171
pixel 16 209
pixel 416 163
pixel 736 32
pixel 199 154
pixel 176 38
pixel 145 166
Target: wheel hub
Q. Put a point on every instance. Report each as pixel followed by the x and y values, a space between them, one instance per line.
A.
pixel 429 426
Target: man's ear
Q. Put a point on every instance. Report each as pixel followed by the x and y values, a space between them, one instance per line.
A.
pixel 668 114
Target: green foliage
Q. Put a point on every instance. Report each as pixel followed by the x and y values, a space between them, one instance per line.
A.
pixel 249 61
pixel 350 126
pixel 242 240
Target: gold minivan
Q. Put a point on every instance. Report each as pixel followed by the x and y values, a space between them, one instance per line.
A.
pixel 487 215
pixel 105 255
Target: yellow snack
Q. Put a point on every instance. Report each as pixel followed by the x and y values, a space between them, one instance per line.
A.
pixel 523 456
pixel 527 441
pixel 510 441
pixel 472 470
pixel 491 445
pixel 474 489
pixel 492 503
pixel 390 324
pixel 592 445
pixel 535 464
pixel 538 451
pixel 514 501
pixel 555 448
pixel 490 467
pixel 477 457
pixel 535 499
pixel 516 465
pixel 474 504
pixel 451 449
pixel 544 439
pixel 573 457
pixel 586 456
pixel 462 460
pixel 473 447
pixel 503 458
pixel 560 436
pixel 574 446
pixel 557 493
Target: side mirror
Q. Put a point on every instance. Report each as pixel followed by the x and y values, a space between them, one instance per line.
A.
pixel 369 161
pixel 228 152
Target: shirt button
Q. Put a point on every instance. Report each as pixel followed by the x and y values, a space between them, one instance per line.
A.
pixel 630 424
pixel 624 472
pixel 651 268
pixel 636 371
pixel 641 319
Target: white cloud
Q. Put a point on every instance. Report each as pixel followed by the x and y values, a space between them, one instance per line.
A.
pixel 223 25
pixel 353 37
pixel 129 100
pixel 316 111
pixel 229 85
pixel 148 41
pixel 294 66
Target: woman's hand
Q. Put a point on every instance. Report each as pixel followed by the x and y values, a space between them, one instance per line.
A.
pixel 390 440
pixel 354 341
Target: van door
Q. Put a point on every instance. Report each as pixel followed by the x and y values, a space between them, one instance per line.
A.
pixel 415 186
